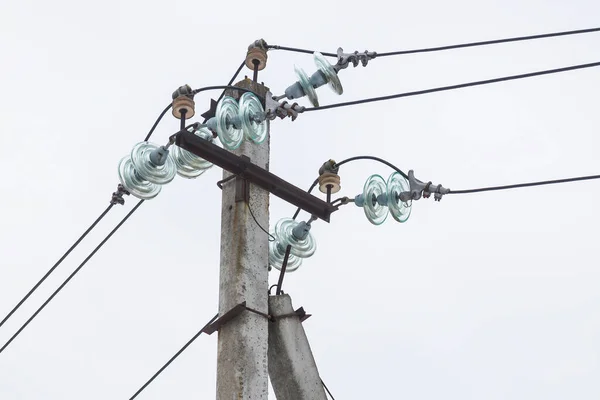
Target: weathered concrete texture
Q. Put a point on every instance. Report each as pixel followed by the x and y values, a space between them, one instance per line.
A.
pixel 242 345
pixel 292 368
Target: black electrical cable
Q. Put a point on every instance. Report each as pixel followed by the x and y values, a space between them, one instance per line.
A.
pixel 459 86
pixel 71 276
pixel 389 164
pixel 34 288
pixel 271 237
pixel 522 185
pixel 174 357
pixel 235 75
pixel 203 89
pixel 310 189
pixel 296 50
pixel 489 42
pixel 162 114
pixel 328 392
pixel 450 47
pixel 237 72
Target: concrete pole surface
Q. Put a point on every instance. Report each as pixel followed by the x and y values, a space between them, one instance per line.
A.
pixel 242 346
pixel 292 368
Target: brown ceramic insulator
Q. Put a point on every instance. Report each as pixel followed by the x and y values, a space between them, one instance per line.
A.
pixel 183 102
pixel 329 179
pixel 259 54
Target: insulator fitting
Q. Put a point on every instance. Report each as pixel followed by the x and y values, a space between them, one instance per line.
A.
pixel 117 197
pixel 257 55
pixel 328 177
pixel 183 99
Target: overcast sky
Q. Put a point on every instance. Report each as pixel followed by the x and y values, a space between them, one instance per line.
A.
pixel 482 296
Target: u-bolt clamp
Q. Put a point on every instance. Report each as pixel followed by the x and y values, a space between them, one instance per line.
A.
pixel 275 109
pixel 420 189
pixel 346 58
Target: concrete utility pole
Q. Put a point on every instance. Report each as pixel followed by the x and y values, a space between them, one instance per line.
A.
pixel 242 346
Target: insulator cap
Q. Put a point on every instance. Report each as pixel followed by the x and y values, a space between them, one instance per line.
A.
pixel 329 178
pixel 257 51
pixel 184 102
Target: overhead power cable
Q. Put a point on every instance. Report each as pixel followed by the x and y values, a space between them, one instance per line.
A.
pixel 34 288
pixel 310 189
pixel 174 357
pixel 235 75
pixel 71 276
pixel 327 389
pixel 453 87
pixel 162 114
pixel 522 185
pixel 451 47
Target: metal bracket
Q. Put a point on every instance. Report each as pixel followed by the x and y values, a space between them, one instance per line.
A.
pixel 300 313
pixel 232 314
pixel 242 186
pixel 117 197
pixel 346 58
pixel 255 175
pixel 282 110
pixel 420 189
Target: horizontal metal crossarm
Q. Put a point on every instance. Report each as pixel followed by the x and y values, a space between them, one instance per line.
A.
pixel 254 174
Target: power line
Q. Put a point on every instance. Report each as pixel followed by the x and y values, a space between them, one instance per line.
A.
pixel 34 288
pixel 450 47
pixel 173 358
pixel 297 50
pixel 489 42
pixel 327 389
pixel 310 189
pixel 162 114
pixel 235 75
pixel 522 185
pixel 389 164
pixel 71 276
pixel 459 86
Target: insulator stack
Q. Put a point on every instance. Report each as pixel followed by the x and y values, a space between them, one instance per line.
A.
pixel 235 121
pixel 305 86
pixel 146 169
pixel 380 198
pixel 189 165
pixel 295 234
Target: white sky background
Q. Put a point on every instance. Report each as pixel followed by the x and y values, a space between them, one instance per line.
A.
pixel 483 296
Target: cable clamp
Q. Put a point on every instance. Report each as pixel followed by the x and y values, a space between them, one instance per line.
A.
pixel 420 189
pixel 346 58
pixel 275 109
pixel 117 197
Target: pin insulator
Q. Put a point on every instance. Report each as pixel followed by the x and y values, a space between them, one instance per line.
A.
pixel 329 179
pixel 183 99
pixel 257 51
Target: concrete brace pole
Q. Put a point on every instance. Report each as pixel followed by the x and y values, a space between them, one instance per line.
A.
pixel 242 345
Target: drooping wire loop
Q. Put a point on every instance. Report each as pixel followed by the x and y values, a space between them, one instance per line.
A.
pixel 188 164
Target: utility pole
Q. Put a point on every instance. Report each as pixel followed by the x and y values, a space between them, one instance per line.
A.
pixel 242 371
